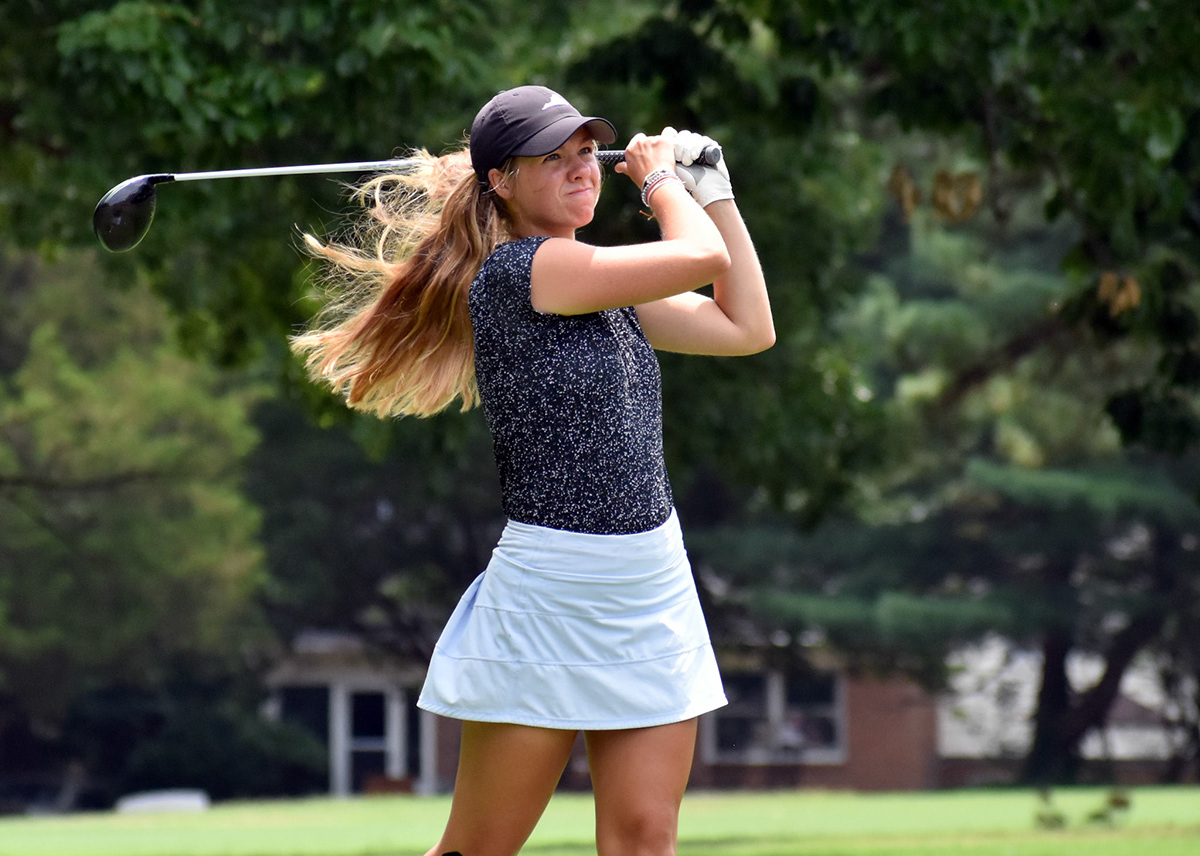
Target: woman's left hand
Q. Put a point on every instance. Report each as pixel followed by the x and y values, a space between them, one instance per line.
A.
pixel 707 184
pixel 689 146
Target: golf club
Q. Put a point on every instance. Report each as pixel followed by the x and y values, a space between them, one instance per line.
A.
pixel 123 216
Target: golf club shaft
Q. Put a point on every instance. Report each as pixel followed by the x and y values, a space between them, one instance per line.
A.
pixel 309 169
pixel 607 157
pixel 710 156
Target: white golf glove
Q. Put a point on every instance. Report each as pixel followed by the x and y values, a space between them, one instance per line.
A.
pixel 707 184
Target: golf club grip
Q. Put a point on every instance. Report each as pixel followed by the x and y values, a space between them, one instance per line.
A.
pixel 711 156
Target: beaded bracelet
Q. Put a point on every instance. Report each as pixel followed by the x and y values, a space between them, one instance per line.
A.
pixel 655 180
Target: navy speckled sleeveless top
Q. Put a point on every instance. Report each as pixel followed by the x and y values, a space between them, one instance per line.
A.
pixel 574 404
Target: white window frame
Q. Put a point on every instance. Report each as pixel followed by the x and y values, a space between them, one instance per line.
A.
pixel 775 718
pixel 342 743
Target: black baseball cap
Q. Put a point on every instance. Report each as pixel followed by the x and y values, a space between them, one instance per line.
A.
pixel 527 121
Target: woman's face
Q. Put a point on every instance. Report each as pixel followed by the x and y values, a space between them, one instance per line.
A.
pixel 553 194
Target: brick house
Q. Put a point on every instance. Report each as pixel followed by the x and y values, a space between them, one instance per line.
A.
pixel 820 728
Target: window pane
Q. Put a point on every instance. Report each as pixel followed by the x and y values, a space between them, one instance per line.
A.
pixel 307 707
pixel 735 733
pixel 777 719
pixel 810 689
pixel 817 730
pixel 367 715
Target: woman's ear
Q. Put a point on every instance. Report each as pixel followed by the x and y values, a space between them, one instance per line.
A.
pixel 499 181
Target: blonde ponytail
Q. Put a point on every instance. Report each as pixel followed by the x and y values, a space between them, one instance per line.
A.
pixel 395 336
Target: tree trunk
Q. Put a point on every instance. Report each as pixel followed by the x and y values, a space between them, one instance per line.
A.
pixel 1064 718
pixel 1050 758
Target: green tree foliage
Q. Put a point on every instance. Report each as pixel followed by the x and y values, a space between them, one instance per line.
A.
pixel 1094 105
pixel 230 753
pixel 1016 510
pixel 94 92
pixel 379 545
pixel 126 538
pixel 1045 408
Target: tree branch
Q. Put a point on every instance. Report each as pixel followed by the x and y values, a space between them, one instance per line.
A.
pixel 1091 707
pixel 999 360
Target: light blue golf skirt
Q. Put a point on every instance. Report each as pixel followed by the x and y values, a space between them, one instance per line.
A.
pixel 578 631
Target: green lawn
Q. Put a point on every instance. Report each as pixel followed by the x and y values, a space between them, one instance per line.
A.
pixel 1161 822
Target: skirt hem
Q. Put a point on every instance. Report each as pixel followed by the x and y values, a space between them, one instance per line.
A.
pixel 648 721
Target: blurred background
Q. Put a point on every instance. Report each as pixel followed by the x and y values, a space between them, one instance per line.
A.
pixel 946 530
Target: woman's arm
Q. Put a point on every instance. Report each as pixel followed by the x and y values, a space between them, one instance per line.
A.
pixel 736 320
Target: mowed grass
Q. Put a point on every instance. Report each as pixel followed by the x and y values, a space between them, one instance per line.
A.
pixel 1161 822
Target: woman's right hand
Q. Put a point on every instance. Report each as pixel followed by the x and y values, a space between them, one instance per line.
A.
pixel 643 155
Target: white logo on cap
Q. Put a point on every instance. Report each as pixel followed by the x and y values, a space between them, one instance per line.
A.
pixel 556 99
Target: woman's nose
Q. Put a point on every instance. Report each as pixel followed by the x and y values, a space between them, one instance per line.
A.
pixel 580 165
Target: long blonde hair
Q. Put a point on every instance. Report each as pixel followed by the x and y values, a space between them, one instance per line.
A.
pixel 394 338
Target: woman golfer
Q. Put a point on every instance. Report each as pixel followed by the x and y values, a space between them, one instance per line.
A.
pixel 586 617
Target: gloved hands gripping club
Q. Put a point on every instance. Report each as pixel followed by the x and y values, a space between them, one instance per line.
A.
pixel 706 183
